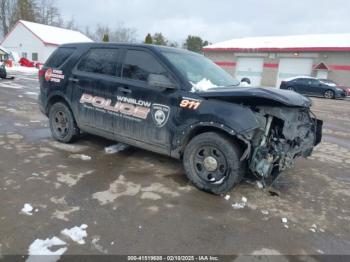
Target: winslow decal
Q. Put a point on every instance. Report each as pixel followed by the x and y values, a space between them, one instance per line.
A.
pixel 126 106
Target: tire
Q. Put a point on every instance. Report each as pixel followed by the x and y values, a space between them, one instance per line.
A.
pixel 290 88
pixel 199 165
pixel 62 123
pixel 329 94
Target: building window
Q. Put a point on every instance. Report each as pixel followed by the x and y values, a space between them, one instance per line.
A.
pixel 24 54
pixel 34 56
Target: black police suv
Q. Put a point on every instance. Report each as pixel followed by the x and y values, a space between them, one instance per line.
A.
pixel 180 104
pixel 314 87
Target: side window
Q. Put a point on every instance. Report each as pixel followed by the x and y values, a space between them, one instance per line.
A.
pixel 59 56
pixel 138 65
pixel 301 81
pixel 100 61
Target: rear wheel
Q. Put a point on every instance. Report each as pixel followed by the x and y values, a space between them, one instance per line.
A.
pixel 62 123
pixel 212 164
pixel 329 94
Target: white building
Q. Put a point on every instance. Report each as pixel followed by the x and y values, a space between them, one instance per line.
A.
pixel 36 42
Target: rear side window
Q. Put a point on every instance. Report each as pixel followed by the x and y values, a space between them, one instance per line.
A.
pixel 139 64
pixel 59 56
pixel 100 61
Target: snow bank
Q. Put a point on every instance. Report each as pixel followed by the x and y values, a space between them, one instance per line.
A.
pixel 77 234
pixel 41 247
pixel 202 85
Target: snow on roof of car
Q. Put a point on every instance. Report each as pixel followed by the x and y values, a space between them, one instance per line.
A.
pixel 296 77
pixel 55 35
pixel 293 42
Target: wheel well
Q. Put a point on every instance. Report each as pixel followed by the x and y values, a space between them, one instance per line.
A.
pixel 203 129
pixel 53 100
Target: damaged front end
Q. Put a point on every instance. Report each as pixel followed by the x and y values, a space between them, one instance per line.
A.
pixel 285 133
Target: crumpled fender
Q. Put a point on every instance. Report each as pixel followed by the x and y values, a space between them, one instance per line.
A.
pixel 232 118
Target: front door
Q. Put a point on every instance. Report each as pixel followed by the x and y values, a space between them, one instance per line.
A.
pixel 151 110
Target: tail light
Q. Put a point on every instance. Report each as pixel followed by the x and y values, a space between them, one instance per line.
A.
pixel 41 72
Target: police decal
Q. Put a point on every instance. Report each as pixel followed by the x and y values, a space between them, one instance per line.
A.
pixel 160 114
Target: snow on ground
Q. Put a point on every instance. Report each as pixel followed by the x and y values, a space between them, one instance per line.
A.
pixel 77 234
pixel 22 69
pixel 202 85
pixel 81 156
pixel 115 148
pixel 241 204
pixel 41 247
pixel 27 209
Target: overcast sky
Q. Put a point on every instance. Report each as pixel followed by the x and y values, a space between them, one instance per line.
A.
pixel 213 20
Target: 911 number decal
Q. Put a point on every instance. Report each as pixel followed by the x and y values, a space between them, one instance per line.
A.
pixel 190 104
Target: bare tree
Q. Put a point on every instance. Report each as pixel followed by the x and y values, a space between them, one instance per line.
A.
pixel 48 13
pixel 100 31
pixel 7 19
pixel 120 33
pixel 123 34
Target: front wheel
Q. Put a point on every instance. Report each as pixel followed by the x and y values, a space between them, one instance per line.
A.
pixel 329 94
pixel 212 163
pixel 62 123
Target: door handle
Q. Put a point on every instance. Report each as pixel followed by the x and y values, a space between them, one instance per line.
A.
pixel 124 90
pixel 73 79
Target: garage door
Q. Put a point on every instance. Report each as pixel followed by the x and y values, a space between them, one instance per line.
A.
pixel 291 67
pixel 251 68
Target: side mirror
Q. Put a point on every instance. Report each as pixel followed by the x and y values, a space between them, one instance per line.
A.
pixel 160 81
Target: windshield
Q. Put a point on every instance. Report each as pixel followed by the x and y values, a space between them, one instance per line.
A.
pixel 201 72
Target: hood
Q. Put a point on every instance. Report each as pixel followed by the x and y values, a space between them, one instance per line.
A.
pixel 258 96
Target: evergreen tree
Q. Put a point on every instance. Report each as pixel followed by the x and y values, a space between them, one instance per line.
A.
pixel 148 39
pixel 195 43
pixel 105 38
pixel 159 39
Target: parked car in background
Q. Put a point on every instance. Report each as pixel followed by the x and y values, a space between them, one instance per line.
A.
pixel 345 88
pixel 314 87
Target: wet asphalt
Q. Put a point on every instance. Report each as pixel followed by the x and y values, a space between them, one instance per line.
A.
pixel 137 202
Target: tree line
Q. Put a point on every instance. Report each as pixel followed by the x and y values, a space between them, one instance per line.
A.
pixel 46 12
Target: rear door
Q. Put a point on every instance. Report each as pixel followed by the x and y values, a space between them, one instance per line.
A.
pixel 95 81
pixel 152 110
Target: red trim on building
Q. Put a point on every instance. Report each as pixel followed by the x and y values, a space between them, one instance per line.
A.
pixel 19 21
pixel 270 65
pixel 224 63
pixel 339 67
pixel 288 49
